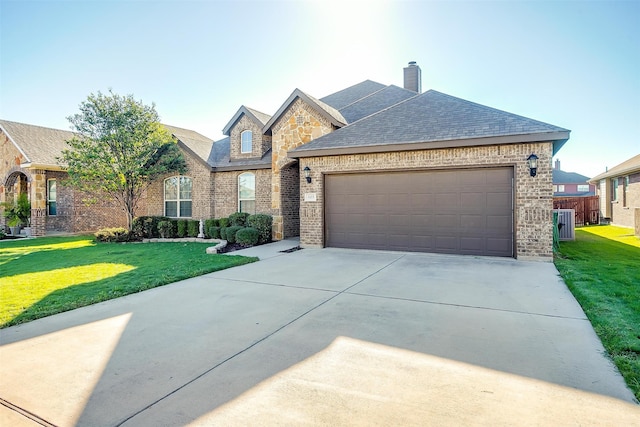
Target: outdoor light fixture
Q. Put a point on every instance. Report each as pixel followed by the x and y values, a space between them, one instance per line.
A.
pixel 307 174
pixel 532 160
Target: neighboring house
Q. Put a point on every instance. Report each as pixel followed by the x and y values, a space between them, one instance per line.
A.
pixel 619 191
pixel 388 168
pixel 571 184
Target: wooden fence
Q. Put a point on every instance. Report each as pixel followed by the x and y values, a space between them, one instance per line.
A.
pixel 587 208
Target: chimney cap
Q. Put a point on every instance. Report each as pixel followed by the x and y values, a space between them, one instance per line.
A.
pixel 412 63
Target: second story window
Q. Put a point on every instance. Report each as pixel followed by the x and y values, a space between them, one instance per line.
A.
pixel 583 188
pixel 246 142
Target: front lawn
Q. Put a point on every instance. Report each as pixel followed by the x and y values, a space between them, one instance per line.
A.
pixel 602 270
pixel 45 276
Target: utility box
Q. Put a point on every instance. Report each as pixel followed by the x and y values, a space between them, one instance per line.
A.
pixel 566 224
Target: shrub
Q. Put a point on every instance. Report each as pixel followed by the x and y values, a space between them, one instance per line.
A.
pixel 224 222
pixel 174 228
pixel 146 226
pixel 117 234
pixel 223 233
pixel 193 227
pixel 238 219
pixel 208 223
pixel 263 224
pixel 182 227
pixel 248 236
pixel 231 233
pixel 214 232
pixel 166 229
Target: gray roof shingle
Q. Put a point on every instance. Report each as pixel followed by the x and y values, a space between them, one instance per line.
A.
pixel 40 145
pixel 219 158
pixel 375 102
pixel 429 117
pixel 562 177
pixel 351 94
pixel 199 144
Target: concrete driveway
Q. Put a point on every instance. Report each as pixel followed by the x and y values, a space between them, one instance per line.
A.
pixel 322 337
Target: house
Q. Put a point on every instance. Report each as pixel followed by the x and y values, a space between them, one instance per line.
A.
pixel 378 167
pixel 571 184
pixel 619 191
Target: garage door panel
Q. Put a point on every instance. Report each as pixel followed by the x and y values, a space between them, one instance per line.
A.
pixel 455 211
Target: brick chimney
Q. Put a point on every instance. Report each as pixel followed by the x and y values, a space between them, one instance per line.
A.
pixel 413 77
pixel 557 165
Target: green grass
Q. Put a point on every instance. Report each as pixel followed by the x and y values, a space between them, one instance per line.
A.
pixel 602 270
pixel 45 276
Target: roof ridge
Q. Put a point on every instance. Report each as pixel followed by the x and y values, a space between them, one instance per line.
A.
pixel 364 97
pixel 389 107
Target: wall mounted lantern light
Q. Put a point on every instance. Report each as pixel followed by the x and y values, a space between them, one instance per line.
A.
pixel 307 174
pixel 532 160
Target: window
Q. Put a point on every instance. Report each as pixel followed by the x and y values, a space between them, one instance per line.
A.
pixel 583 188
pixel 52 206
pixel 614 189
pixel 247 193
pixel 625 186
pixel 177 197
pixel 246 145
pixel 558 188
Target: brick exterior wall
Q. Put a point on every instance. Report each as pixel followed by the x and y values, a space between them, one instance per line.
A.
pixel 226 192
pixel 623 210
pixel 533 199
pixel 260 143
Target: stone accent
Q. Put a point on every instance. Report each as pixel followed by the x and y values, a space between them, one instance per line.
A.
pixel 533 202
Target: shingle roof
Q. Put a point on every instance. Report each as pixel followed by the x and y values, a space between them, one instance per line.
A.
pixel 351 94
pixel 433 117
pixel 628 166
pixel 219 158
pixel 324 109
pixel 259 118
pixel 40 145
pixel 199 144
pixel 375 102
pixel 562 177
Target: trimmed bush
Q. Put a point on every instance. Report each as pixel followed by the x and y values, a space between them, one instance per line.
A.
pixel 182 227
pixel 248 236
pixel 208 223
pixel 146 226
pixel 263 224
pixel 193 227
pixel 223 233
pixel 224 222
pixel 214 232
pixel 166 229
pixel 239 219
pixel 116 234
pixel 231 233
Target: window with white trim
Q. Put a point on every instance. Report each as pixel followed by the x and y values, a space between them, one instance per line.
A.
pixel 246 142
pixel 582 188
pixel 558 188
pixel 52 198
pixel 177 197
pixel 247 193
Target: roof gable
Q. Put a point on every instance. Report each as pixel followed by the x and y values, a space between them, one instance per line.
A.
pixel 198 144
pixel 40 145
pixel 438 119
pixel 259 118
pixel 327 111
pixel 375 102
pixel 351 94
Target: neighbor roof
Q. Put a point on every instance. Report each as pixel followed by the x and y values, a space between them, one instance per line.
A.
pixel 562 177
pixel 351 94
pixel 432 120
pixel 40 145
pixel 628 166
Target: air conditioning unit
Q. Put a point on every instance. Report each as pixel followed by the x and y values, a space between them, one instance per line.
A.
pixel 566 224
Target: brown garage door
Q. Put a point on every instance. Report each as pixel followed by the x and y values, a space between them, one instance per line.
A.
pixel 461 211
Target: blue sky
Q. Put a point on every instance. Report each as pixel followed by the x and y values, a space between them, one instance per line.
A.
pixel 574 64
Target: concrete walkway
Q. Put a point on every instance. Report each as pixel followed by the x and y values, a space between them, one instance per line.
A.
pixel 322 337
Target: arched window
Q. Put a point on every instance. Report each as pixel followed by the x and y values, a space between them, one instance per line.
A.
pixel 177 197
pixel 247 193
pixel 246 143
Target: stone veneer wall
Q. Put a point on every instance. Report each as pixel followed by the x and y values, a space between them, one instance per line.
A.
pixel 298 125
pixel 533 218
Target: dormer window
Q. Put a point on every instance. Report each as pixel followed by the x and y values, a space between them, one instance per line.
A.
pixel 246 142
